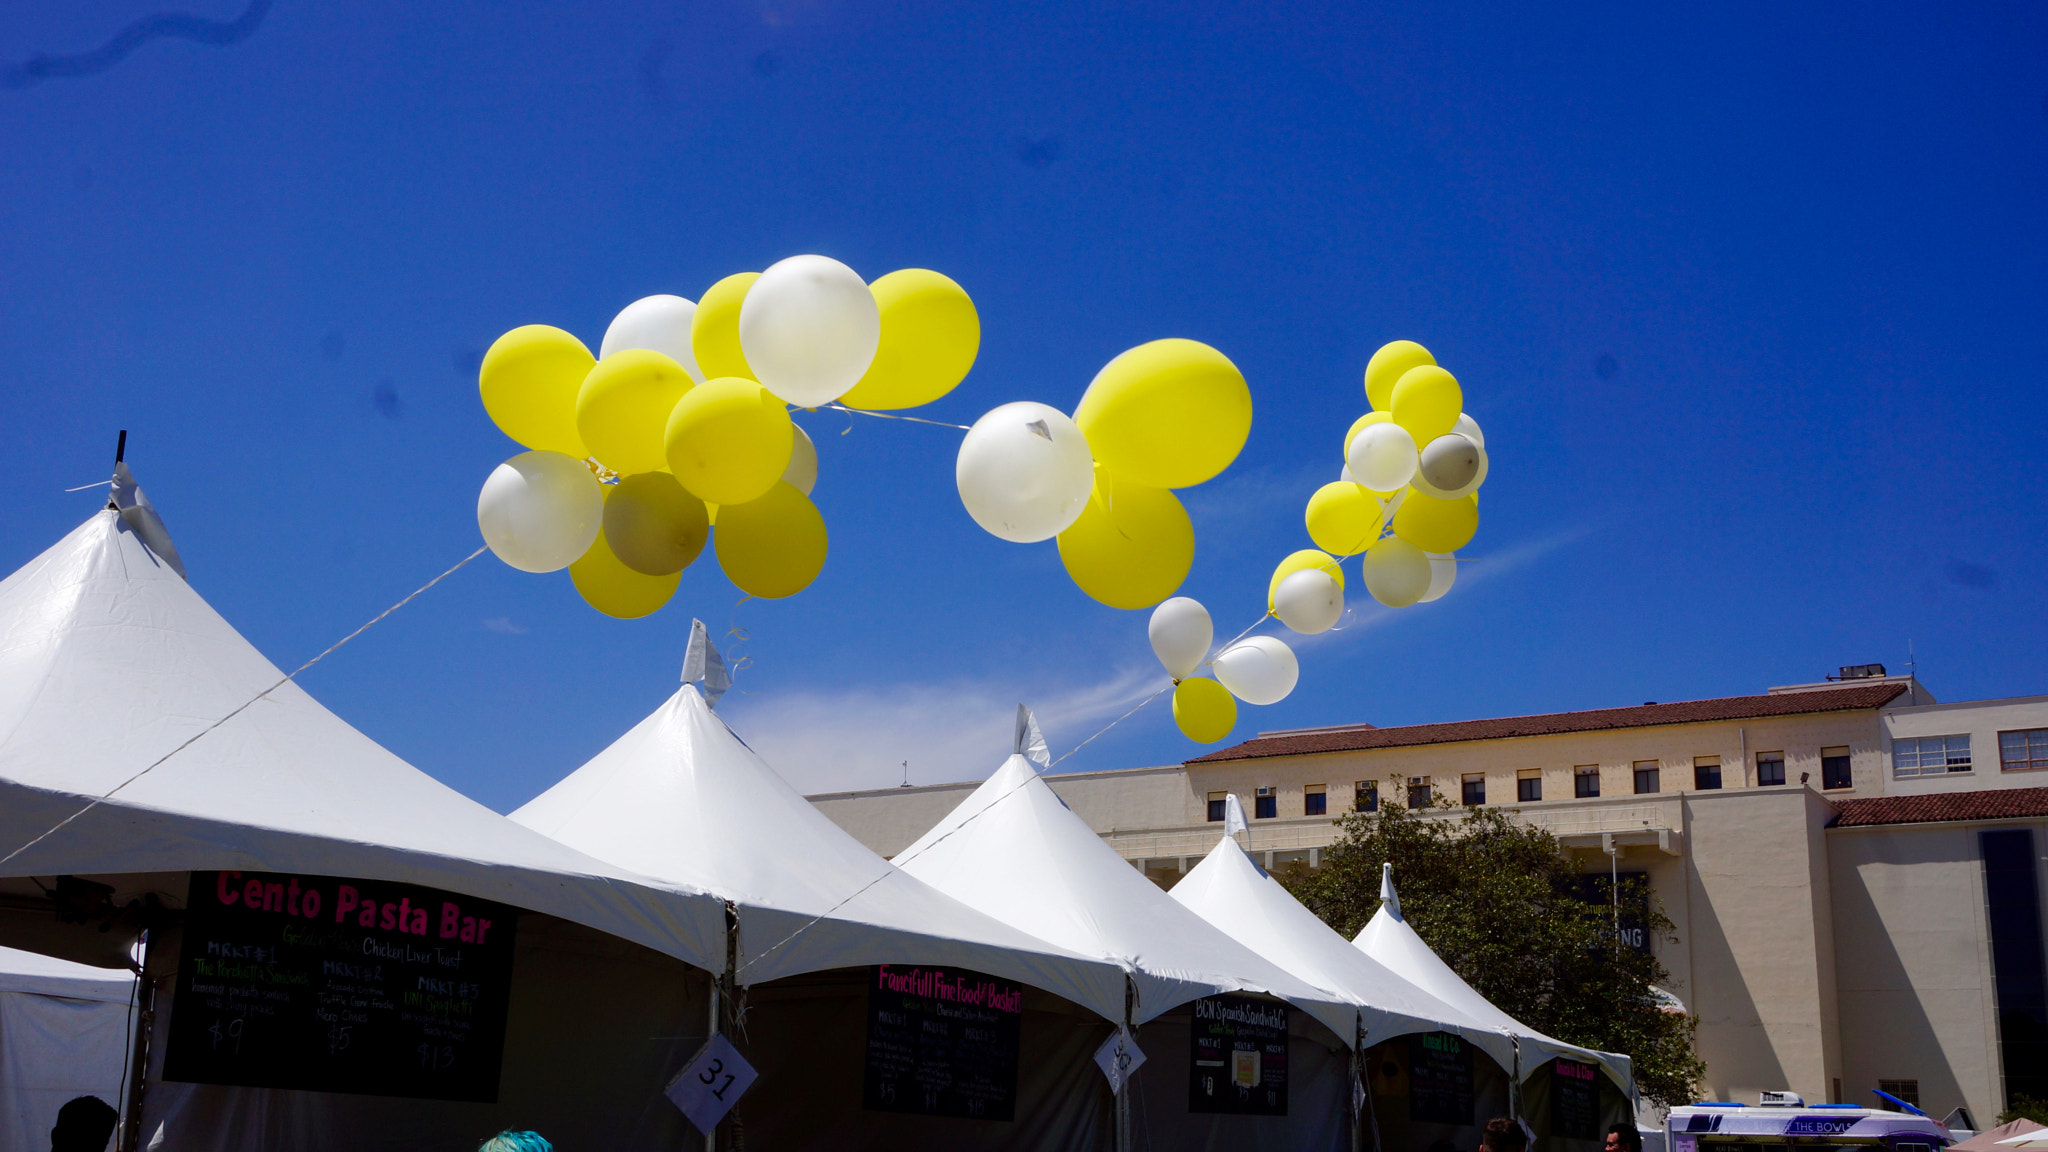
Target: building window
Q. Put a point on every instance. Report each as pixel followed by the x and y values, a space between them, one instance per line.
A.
pixel 1706 773
pixel 1216 807
pixel 1473 787
pixel 2019 978
pixel 1265 805
pixel 1365 796
pixel 1586 781
pixel 1834 768
pixel 1907 1090
pixel 1528 785
pixel 1315 800
pixel 2018 751
pixel 1770 768
pixel 1647 777
pixel 1930 755
pixel 1418 792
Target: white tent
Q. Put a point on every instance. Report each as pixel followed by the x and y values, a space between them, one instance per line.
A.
pixel 1235 895
pixel 64 1031
pixel 115 674
pixel 142 739
pixel 682 798
pixel 1014 850
pixel 1388 939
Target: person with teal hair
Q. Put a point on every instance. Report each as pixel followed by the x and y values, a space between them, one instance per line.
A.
pixel 510 1141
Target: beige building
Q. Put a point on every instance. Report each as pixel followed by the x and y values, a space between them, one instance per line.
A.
pixel 1854 870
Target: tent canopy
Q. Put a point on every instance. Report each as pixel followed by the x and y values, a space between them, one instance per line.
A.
pixel 1015 851
pixel 110 663
pixel 1228 890
pixel 682 798
pixel 1389 939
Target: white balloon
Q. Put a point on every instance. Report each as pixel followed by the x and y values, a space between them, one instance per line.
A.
pixel 809 328
pixel 1309 601
pixel 1449 464
pixel 1258 669
pixel 1025 472
pixel 658 324
pixel 1382 457
pixel 802 472
pixel 1467 426
pixel 540 511
pixel 1397 573
pixel 1443 572
pixel 1181 632
pixel 1421 482
pixel 1346 476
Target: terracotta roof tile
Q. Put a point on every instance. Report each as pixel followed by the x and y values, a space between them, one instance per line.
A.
pixel 1991 804
pixel 1596 720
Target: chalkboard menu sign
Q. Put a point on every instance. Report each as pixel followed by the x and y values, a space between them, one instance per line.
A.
pixel 1574 1100
pixel 1238 1057
pixel 1439 1079
pixel 942 1042
pixel 331 985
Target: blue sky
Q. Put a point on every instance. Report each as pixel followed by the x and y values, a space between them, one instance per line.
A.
pixel 1749 300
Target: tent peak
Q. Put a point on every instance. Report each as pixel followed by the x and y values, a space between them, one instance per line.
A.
pixel 140 516
pixel 1030 742
pixel 1390 900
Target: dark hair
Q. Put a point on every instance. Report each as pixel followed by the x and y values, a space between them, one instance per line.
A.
pixel 1630 1138
pixel 513 1141
pixel 1503 1135
pixel 82 1123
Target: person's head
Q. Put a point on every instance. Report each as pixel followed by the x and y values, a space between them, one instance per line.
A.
pixel 510 1141
pixel 83 1125
pixel 1624 1138
pixel 1503 1135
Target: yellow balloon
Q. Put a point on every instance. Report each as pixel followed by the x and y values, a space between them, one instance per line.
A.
pixel 1295 562
pixel 930 334
pixel 1169 414
pixel 728 440
pixel 1386 367
pixel 623 406
pixel 715 328
pixel 1204 710
pixel 1132 545
pixel 1435 525
pixel 1360 424
pixel 774 546
pixel 1343 518
pixel 1427 401
pixel 607 585
pixel 653 526
pixel 529 382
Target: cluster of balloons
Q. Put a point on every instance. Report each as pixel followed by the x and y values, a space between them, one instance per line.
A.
pixel 681 423
pixel 1407 499
pixel 1164 415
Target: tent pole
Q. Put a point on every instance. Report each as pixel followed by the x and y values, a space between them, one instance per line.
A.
pixel 722 984
pixel 1123 1088
pixel 1358 1086
pixel 145 1023
pixel 1515 1089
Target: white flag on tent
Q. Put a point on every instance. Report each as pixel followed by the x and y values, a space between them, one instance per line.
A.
pixel 1030 741
pixel 1119 1058
pixel 1233 815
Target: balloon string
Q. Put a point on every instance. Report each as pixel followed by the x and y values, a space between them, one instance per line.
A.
pixel 895 865
pixel 109 794
pixel 1112 724
pixel 893 416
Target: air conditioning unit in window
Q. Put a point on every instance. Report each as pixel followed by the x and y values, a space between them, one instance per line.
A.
pixel 1780 1100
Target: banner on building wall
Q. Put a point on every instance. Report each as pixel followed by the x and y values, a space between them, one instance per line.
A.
pixel 942 1042
pixel 331 985
pixel 1237 1056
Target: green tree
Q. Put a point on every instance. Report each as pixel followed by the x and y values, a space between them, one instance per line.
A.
pixel 1502 905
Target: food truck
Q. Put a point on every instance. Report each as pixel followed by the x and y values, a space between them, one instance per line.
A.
pixel 1786 1122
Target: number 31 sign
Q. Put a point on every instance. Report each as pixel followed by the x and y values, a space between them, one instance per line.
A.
pixel 711 1083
